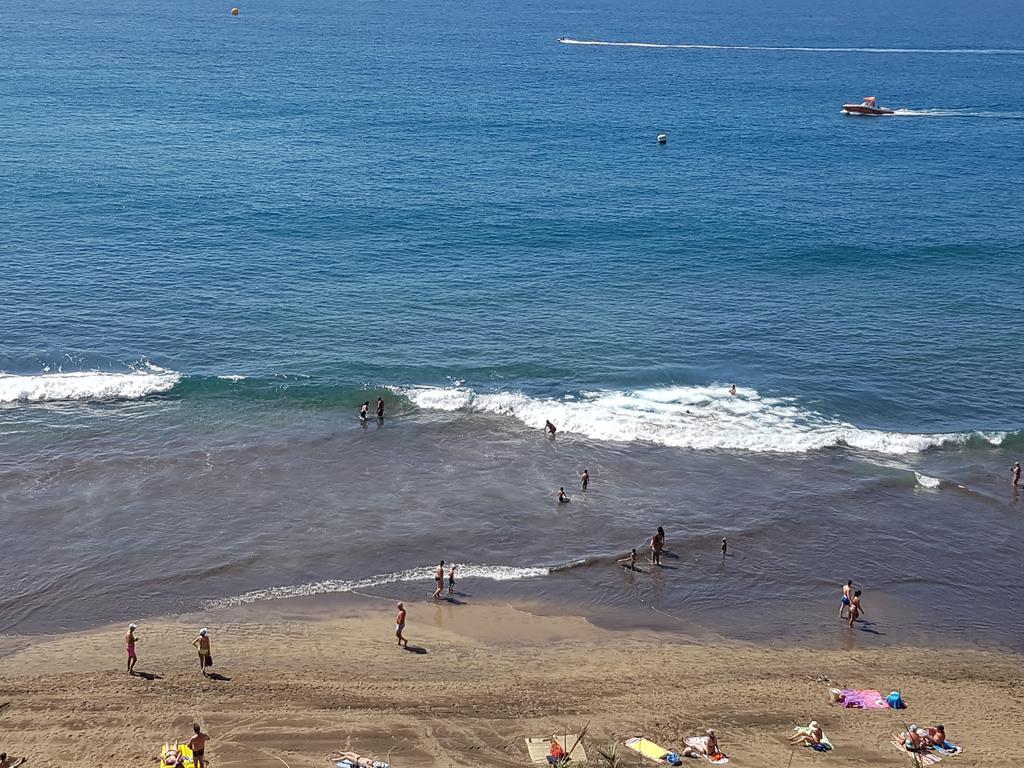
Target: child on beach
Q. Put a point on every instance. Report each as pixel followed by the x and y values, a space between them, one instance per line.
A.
pixel 451 579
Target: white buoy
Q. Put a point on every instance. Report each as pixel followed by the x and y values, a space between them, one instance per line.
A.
pixel 662 138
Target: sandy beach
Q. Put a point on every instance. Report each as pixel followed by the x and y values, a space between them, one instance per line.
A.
pixel 293 687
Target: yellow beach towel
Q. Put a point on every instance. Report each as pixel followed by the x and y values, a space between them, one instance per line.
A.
pixel 171 753
pixel 648 749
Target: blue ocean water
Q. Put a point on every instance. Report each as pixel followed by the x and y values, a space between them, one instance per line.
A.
pixel 441 202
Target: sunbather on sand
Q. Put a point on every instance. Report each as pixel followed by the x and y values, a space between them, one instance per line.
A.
pixel 812 736
pixel 557 754
pixel 936 736
pixel 10 762
pixel 707 744
pixel 357 759
pixel 915 739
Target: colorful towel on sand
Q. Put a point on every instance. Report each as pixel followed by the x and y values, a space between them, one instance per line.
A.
pixel 826 745
pixel 700 743
pixel 179 755
pixel 652 751
pixel 853 698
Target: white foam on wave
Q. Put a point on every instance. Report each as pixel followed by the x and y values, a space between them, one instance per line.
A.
pixel 927 482
pixel 86 385
pixel 698 417
pixel 424 574
pixel 798 48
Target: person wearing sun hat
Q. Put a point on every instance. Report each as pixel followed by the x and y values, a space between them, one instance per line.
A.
pixel 129 640
pixel 202 644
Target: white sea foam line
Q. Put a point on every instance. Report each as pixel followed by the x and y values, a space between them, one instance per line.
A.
pixel 86 385
pixel 701 418
pixel 425 574
pixel 800 49
pixel 927 482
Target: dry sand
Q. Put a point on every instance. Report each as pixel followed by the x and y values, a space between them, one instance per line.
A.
pixel 297 688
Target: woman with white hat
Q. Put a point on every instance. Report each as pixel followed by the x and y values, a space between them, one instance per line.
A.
pixel 129 640
pixel 202 644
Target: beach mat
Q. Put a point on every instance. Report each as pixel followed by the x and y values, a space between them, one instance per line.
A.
pixel 540 748
pixel 700 743
pixel 824 739
pixel 648 749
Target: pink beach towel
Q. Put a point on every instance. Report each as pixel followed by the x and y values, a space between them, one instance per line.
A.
pixel 862 699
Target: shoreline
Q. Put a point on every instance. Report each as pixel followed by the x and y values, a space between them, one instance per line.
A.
pixel 299 681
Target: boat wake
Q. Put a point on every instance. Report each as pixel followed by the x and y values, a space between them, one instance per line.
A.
pixel 800 49
pixel 958 113
pixel 700 418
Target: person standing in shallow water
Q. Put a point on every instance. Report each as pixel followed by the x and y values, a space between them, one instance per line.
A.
pixel 380 408
pixel 451 579
pixel 844 602
pixel 439 580
pixel 550 428
pixel 364 411
pixel 1016 474
pixel 657 544
pixel 725 546
pixel 584 479
pixel 855 609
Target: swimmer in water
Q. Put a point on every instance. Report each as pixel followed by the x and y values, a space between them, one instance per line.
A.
pixel 550 428
pixel 732 390
pixel 364 411
pixel 380 408
pixel 561 496
pixel 629 562
pixel 1016 474
pixel 584 479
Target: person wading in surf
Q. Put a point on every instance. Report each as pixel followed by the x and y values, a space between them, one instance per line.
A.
pixel 439 580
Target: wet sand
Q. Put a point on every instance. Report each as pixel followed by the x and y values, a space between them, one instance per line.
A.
pixel 293 687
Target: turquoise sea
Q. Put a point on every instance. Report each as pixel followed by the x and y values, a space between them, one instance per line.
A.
pixel 221 234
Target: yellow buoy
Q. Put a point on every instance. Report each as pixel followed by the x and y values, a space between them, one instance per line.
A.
pixel 234 11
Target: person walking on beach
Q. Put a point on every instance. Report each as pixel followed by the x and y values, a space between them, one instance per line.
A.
pixel 1016 474
pixel 439 580
pixel 855 609
pixel 129 641
pixel 364 411
pixel 844 602
pixel 198 746
pixel 550 428
pixel 584 479
pixel 202 644
pixel 451 579
pixel 380 408
pixel 400 625
pixel 657 544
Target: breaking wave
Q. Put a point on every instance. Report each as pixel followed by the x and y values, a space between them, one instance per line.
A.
pixel 424 574
pixel 86 385
pixel 700 418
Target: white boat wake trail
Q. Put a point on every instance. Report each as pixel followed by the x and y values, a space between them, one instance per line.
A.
pixel 801 49
pixel 700 418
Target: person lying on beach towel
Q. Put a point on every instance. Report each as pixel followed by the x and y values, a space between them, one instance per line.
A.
pixel 353 760
pixel 707 745
pixel 811 736
pixel 851 698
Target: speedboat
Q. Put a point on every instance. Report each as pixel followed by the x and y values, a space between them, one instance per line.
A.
pixel 867 107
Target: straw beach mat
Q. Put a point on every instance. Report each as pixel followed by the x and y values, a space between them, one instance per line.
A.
pixel 540 748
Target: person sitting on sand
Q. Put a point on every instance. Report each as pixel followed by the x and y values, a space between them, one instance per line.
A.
pixel 936 736
pixel 629 562
pixel 812 736
pixel 10 762
pixel 557 754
